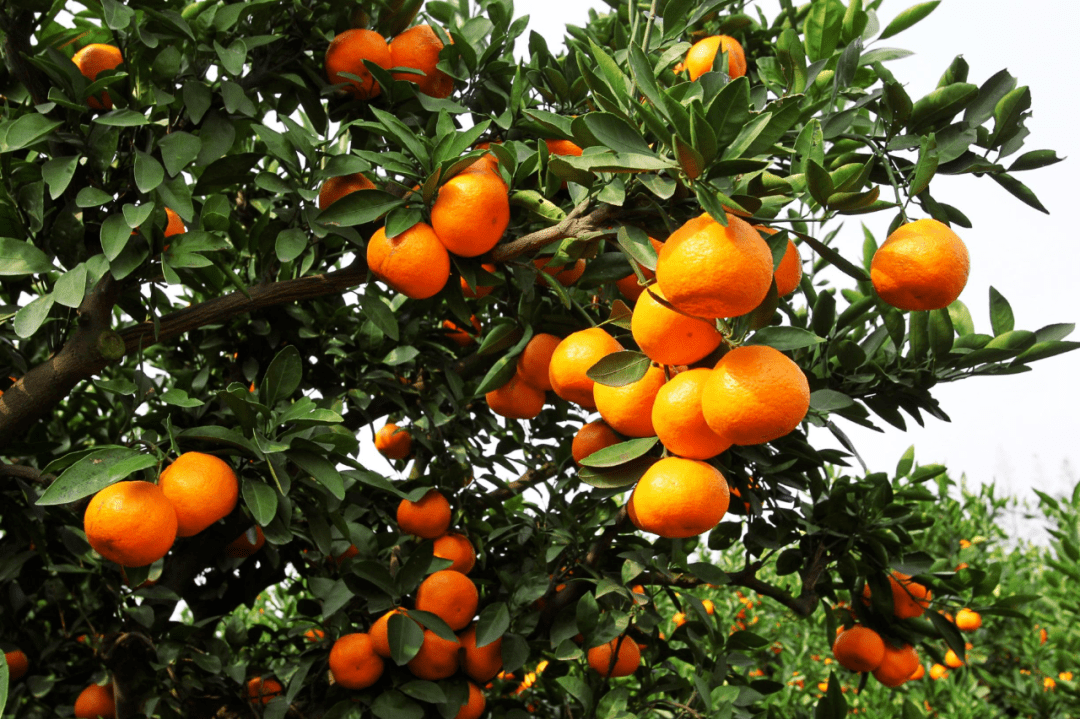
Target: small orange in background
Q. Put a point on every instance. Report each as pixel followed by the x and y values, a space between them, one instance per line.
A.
pixel 700 57
pixel 563 147
pixel 592 438
pixel 449 595
pixel 679 497
pixel 710 608
pixel 314 635
pixel 618 658
pixel 471 213
pixel 516 399
pixel 938 671
pixel 563 275
pixel 242 546
pixel 93 59
pixel 414 263
pixel 349 553
pixel 628 409
pixel 418 48
pixel 202 489
pixel 679 618
pixel 428 519
pixel 459 336
pixel 481 664
pixel 1065 676
pixel 919 673
pixel 678 420
pixel 337 187
pixel 670 337
pixel 898 665
pixel 535 360
pixel 480 291
pixel 573 357
pixel 354 663
pixel 474 707
pixel 859 649
pixel 630 287
pixel 789 272
pixel 953 660
pixel 458 549
pixel 393 442
pixel 96 701
pixel 131 523
pixel 437 658
pixel 1043 636
pixel 967 620
pixel 923 265
pixel 347 52
pixel 18 664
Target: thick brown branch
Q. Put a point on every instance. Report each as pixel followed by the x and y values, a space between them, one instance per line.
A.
pixel 21 471
pixel 572 226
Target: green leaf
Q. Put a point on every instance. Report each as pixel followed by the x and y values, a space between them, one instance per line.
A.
pixel 940 326
pixel 907 18
pixel 1019 190
pixel 614 133
pixel 26 131
pixel 395 705
pixel 115 234
pixel 122 118
pixel 941 104
pixel 1034 160
pixel 1009 115
pixel 1001 314
pixel 405 636
pixel 818 182
pixel 321 469
pixel 179 398
pixel 261 499
pixel 926 167
pixel 57 174
pixel 380 315
pixel 290 244
pixel 117 16
pixel 499 374
pixel 30 318
pixel 400 355
pixel 822 30
pixel 785 338
pixel 93 473
pixel 637 245
pixel 578 689
pixel 178 150
pixel 425 691
pixel 71 287
pixel 92 197
pixel 619 369
pixel 619 454
pixel 148 172
pixel 18 259
pixel 283 375
pixel 982 109
pixel 828 400
pixel 359 208
pixel 792 57
pixel 493 623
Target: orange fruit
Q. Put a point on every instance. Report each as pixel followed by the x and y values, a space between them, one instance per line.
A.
pixel 938 671
pixel 130 523
pixel 314 635
pixel 910 598
pixel 700 57
pixel 461 337
pixel 898 666
pixel 967 620
pixel 393 442
pixel 628 409
pixel 618 658
pixel 516 399
pixel 754 395
pixel 679 619
pixel 573 357
pixel 415 263
pixel 535 360
pixel 859 649
pixel 449 595
pixel 458 549
pixel 479 291
pixel 261 691
pixel 592 438
pixel 679 497
pixel 710 608
pixel 487 161
pixel 919 673
pixel 481 664
pixel 437 658
pixel 202 489
pixel 347 52
pixel 354 663
pixel 429 518
pixel 678 420
pixel 418 48
pixel 474 707
pixel 562 147
pixel 95 701
pixel 953 660
pixel 670 337
pixel 174 226
pixel 923 265
pixel 630 287
pixel 565 277
pixel 337 187
pixel 708 270
pixel 380 641
pixel 789 272
pixel 471 213
pixel 242 546
pixel 17 663
pixel 93 59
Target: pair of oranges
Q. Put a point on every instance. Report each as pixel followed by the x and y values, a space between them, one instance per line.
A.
pixel 417 49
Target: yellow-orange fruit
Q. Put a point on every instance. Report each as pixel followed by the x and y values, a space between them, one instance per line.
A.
pixel 347 52
pixel 244 547
pixel 967 620
pixel 670 337
pixel 437 658
pixel 618 658
pixel 919 673
pixel 535 360
pixel 337 187
pixel 754 395
pixel 700 57
pixel 516 399
pixel 481 664
pixel 938 671
pixel 923 265
pixel 859 649
pixel 898 665
pixel 354 663
pixel 474 706
pixel 449 595
pixel 592 438
pixel 679 497
pixel 202 489
pixel 415 263
pixel 471 213
pixel 573 357
pixel 563 147
pixel 418 48
pixel 953 660
pixel 628 409
pixel 95 701
pixel 130 523
pixel 678 420
pixel 429 518
pixel 708 270
pixel 393 442
pixel 458 549
pixel 93 59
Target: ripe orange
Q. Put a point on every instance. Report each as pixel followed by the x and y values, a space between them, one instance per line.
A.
pixel 242 546
pixel 562 147
pixel 418 48
pixel 480 291
pixel 859 649
pixel 919 673
pixel 414 263
pixel 535 360
pixel 354 663
pixel 95 701
pixel 967 620
pixel 480 663
pixel 628 409
pixel 393 442
pixel 174 226
pixel 708 270
pixel 130 523
pixel 474 707
pixel 754 395
pixel 678 419
pixel 573 357
pixel 17 663
pixel 679 497
pixel 337 187
pixel 789 272
pixel 516 399
pixel 700 58
pixel 461 337
pixel 670 337
pixel 910 598
pixel 630 287
pixel 487 161
pixel 261 691
pixel 93 59
pixel 923 265
pixel 953 660
pixel 898 666
pixel 458 549
pixel 592 438
pixel 380 641
pixel 565 277
pixel 202 489
pixel 626 660
pixel 938 671
pixel 437 658
pixel 347 52
pixel 471 213
pixel 429 518
pixel 449 595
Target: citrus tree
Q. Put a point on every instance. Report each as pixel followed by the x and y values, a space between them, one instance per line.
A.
pixel 241 241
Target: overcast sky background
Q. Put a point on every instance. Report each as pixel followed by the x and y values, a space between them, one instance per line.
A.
pixel 1022 430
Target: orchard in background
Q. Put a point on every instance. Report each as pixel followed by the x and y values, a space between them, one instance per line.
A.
pixel 588 304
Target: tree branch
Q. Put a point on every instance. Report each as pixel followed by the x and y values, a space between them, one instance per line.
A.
pixel 531 478
pixel 572 226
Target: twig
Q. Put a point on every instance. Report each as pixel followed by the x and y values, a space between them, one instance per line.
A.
pixel 572 226
pixel 531 478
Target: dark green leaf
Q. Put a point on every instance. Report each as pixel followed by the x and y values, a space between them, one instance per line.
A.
pixel 621 453
pixel 283 375
pixel 1001 314
pixel 93 473
pixel 1034 160
pixel 785 338
pixel 493 623
pixel 261 499
pixel 619 369
pixel 359 208
pixel 615 133
pixel 1019 190
pixel 828 400
pixel 405 637
pixel 395 705
pixel 18 258
pixel 321 469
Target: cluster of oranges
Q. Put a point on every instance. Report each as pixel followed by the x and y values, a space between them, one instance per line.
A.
pixel 416 50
